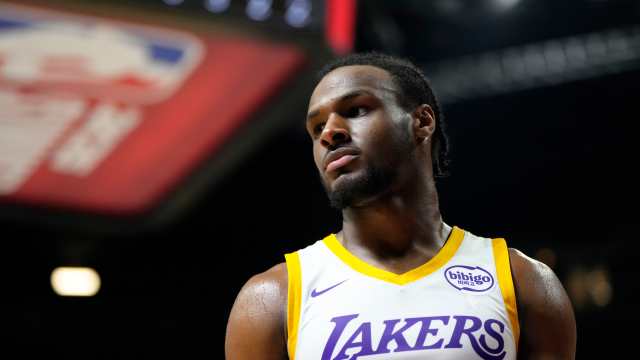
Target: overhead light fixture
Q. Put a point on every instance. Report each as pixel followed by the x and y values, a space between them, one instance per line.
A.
pixel 75 281
pixel 298 13
pixel 217 6
pixel 259 10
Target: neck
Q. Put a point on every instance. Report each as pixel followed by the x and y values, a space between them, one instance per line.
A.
pixel 397 225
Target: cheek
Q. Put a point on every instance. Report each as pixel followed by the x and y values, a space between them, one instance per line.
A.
pixel 387 144
pixel 317 157
pixel 378 138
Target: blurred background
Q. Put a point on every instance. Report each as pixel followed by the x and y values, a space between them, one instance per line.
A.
pixel 153 154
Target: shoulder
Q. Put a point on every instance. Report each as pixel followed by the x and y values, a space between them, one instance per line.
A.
pixel 535 281
pixel 265 293
pixel 257 324
pixel 267 284
pixel 546 316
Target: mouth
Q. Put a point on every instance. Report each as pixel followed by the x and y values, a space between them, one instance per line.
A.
pixel 339 158
pixel 340 162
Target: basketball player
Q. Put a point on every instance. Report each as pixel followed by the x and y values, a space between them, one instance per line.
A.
pixel 396 282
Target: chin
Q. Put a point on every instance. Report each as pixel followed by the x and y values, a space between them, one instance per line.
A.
pixel 353 188
pixel 347 180
pixel 343 190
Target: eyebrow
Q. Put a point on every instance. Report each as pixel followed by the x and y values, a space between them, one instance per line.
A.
pixel 347 96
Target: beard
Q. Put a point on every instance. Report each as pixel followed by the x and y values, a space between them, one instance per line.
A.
pixel 354 189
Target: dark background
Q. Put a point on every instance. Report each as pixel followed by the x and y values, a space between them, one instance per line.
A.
pixel 548 164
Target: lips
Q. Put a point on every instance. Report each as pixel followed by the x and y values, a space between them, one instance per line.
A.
pixel 339 158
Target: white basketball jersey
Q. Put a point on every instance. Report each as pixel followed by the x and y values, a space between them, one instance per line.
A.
pixel 458 305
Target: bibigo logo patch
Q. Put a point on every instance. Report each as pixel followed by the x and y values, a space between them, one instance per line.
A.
pixel 469 279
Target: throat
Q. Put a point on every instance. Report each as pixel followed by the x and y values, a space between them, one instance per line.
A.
pixel 395 250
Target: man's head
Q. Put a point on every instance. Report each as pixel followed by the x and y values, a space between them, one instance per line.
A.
pixel 375 115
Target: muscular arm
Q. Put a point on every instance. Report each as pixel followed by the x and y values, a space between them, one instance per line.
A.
pixel 257 323
pixel 547 323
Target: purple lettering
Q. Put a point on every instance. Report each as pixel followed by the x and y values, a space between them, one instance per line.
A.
pixel 426 329
pixel 389 335
pixel 364 344
pixel 491 332
pixel 397 336
pixel 341 322
pixel 460 328
pixel 485 337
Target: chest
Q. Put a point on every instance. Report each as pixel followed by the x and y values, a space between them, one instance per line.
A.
pixel 361 317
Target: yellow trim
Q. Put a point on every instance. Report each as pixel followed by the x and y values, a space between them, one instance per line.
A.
pixel 441 258
pixel 294 296
pixel 503 269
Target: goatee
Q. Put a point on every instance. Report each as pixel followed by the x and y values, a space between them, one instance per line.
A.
pixel 351 191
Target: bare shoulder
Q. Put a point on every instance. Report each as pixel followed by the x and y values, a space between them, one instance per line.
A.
pixel 269 286
pixel 256 326
pixel 547 320
pixel 534 279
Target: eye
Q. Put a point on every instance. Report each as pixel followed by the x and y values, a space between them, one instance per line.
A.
pixel 356 111
pixel 317 129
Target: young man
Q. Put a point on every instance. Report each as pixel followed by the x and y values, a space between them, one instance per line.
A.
pixel 396 282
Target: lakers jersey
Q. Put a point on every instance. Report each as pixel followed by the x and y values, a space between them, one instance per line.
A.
pixel 458 305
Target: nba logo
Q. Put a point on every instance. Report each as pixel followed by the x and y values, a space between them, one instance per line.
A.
pixel 42 50
pixel 93 109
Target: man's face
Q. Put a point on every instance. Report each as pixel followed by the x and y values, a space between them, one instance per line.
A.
pixel 361 136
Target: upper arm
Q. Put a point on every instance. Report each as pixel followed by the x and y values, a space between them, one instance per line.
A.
pixel 547 322
pixel 256 326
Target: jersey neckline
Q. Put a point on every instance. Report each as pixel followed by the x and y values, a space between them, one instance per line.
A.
pixel 442 257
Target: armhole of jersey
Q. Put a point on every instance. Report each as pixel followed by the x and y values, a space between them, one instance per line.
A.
pixel 503 269
pixel 294 296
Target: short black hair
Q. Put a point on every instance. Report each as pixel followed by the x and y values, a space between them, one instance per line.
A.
pixel 415 90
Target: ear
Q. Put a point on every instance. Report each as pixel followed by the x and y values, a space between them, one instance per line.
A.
pixel 424 122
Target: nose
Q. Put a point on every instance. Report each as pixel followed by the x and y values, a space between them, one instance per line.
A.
pixel 335 131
